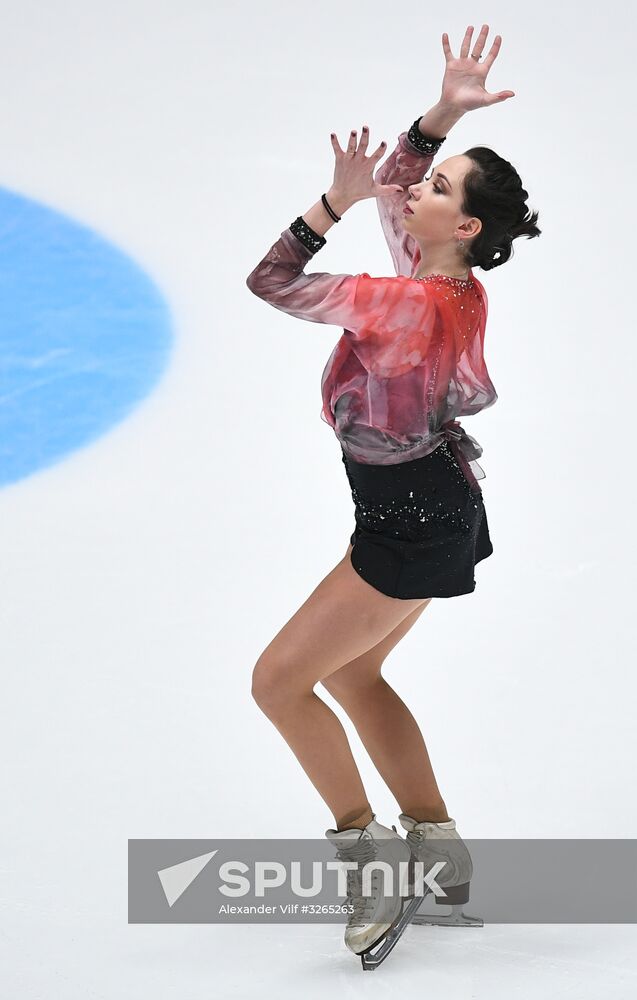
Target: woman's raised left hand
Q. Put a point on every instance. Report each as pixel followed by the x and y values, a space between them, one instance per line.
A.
pixel 353 180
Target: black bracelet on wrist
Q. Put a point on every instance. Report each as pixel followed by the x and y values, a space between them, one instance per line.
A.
pixel 306 235
pixel 423 143
pixel 330 211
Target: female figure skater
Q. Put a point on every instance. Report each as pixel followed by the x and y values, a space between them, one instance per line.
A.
pixel 409 362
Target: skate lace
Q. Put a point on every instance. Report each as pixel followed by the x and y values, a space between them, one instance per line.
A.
pixel 415 836
pixel 362 851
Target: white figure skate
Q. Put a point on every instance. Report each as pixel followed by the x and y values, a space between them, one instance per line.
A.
pixel 378 919
pixel 432 842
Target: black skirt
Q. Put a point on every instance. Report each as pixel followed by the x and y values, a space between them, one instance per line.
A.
pixel 421 526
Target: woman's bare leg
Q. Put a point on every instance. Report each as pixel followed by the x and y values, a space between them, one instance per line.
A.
pixel 387 728
pixel 341 620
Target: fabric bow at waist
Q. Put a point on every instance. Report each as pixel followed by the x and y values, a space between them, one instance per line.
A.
pixel 455 433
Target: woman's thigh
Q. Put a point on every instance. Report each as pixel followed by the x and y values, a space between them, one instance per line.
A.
pixel 367 666
pixel 343 618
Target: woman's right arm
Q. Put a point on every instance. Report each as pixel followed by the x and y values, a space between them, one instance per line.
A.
pixel 405 166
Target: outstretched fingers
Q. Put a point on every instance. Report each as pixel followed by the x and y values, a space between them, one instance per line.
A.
pixel 365 142
pixel 478 47
pixel 362 145
pixel 489 59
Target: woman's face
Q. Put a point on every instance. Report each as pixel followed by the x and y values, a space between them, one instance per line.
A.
pixel 435 204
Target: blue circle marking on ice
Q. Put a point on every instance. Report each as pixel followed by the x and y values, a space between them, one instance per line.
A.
pixel 85 334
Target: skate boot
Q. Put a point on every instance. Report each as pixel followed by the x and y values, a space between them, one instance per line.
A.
pixel 377 918
pixel 432 842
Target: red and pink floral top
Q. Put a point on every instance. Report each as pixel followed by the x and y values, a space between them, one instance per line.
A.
pixel 410 360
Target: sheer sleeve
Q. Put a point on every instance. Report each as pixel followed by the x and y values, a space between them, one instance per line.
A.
pixel 404 166
pixel 471 368
pixel 389 321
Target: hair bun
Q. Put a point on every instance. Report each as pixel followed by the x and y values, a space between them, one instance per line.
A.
pixel 493 192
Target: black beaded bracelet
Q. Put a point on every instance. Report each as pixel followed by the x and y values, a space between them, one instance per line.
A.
pixel 424 144
pixel 306 235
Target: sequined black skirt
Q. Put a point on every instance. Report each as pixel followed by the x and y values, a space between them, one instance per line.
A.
pixel 421 526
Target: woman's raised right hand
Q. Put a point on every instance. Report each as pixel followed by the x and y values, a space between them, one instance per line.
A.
pixel 464 79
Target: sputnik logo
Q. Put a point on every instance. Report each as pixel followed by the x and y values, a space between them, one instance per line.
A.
pixel 176 879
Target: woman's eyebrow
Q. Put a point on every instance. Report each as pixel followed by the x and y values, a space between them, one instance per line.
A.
pixel 444 178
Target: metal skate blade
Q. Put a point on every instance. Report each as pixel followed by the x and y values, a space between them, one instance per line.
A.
pixel 454 919
pixel 371 959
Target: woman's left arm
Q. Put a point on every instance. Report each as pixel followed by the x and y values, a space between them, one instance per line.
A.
pixel 334 299
pixel 318 218
pixel 279 277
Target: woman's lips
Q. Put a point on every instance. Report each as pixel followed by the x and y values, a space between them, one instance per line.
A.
pixel 407 209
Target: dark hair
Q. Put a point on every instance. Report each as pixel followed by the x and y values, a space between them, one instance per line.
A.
pixel 493 192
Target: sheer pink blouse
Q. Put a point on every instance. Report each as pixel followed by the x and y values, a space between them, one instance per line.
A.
pixel 410 360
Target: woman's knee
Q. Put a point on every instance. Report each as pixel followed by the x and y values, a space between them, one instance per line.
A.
pixel 354 678
pixel 271 682
pixel 358 674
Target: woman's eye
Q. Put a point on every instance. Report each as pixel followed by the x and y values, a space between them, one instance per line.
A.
pixel 437 189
